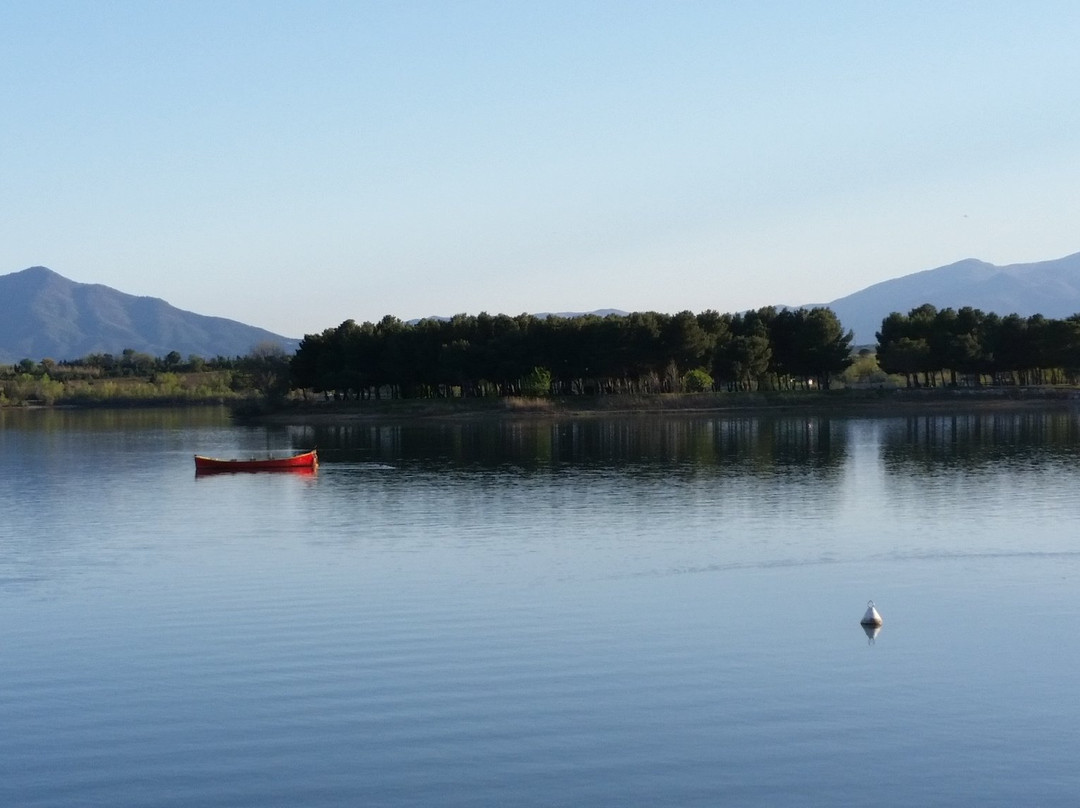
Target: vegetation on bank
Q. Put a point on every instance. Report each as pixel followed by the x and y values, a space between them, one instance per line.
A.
pixel 649 354
pixel 930 347
pixel 636 354
pixel 644 360
pixel 133 379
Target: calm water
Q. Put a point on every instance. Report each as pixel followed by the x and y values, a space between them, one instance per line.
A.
pixel 599 612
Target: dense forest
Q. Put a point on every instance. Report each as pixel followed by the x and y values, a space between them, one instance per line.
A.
pixel 526 355
pixel 968 347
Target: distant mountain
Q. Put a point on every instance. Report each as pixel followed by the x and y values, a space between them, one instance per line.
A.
pixel 1050 288
pixel 571 314
pixel 541 315
pixel 43 314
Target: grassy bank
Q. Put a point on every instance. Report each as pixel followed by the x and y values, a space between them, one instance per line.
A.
pixel 855 402
pixel 149 390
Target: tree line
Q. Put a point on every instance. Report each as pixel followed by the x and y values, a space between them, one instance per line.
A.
pixel 644 352
pixel 968 347
pixel 137 377
pixel 128 363
pixel 639 353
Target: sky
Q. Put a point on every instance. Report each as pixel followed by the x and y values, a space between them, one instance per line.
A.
pixel 292 165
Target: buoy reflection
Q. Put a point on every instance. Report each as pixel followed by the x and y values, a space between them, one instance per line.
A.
pixel 871 633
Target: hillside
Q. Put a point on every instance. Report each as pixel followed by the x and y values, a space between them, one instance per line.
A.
pixel 1050 288
pixel 43 314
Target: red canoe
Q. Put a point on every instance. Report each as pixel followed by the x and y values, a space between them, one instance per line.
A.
pixel 308 461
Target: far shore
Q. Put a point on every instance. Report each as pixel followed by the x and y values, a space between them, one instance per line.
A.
pixel 866 402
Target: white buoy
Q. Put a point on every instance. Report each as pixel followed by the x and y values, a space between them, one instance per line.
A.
pixel 871 618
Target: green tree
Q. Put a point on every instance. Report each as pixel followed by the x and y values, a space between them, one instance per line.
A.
pixel 537 383
pixel 697 381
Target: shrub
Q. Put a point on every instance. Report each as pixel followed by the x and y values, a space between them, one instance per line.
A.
pixel 697 381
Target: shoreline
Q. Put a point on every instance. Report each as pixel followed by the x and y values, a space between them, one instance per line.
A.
pixel 874 403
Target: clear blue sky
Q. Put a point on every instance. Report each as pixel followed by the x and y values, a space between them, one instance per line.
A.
pixel 292 165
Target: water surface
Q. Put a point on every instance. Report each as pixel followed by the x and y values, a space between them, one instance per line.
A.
pixel 633 611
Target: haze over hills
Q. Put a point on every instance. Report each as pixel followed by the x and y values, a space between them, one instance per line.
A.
pixel 43 314
pixel 1050 288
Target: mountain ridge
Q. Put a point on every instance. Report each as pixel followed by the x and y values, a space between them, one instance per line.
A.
pixel 1050 288
pixel 43 314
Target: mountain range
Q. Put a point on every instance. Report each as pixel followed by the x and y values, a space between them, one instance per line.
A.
pixel 1050 288
pixel 43 314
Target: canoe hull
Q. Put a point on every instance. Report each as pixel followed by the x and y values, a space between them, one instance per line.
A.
pixel 308 461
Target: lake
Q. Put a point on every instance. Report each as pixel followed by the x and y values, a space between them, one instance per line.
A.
pixel 556 612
